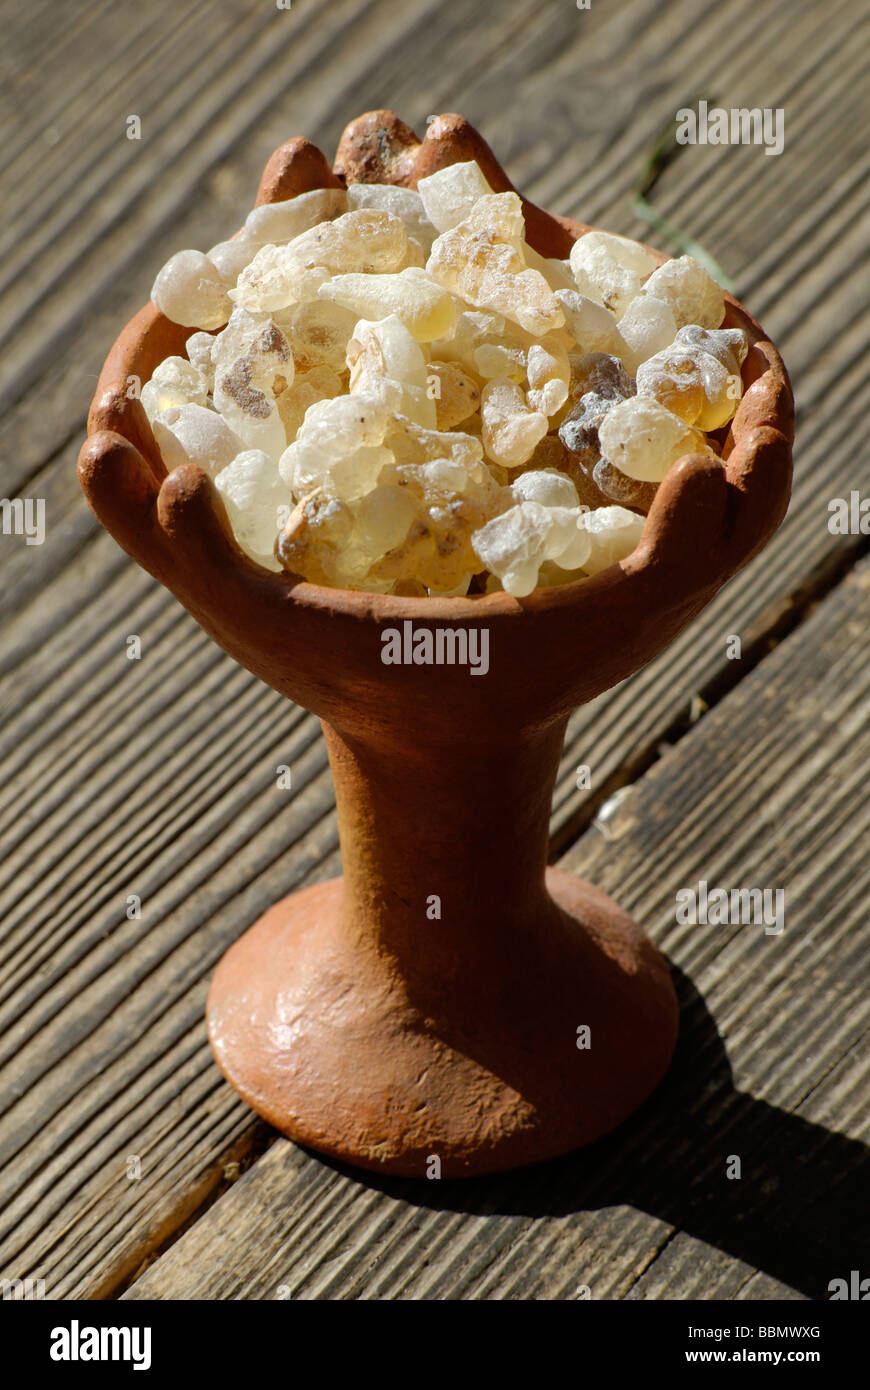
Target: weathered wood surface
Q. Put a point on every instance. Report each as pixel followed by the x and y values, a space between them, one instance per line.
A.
pixel 772 1065
pixel 158 777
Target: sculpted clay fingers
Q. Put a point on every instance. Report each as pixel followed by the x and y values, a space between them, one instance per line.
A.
pixel 685 527
pixel 121 490
pixel 759 474
pixel 213 578
pixel 295 167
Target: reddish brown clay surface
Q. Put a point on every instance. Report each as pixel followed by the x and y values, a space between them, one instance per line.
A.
pixel 347 1016
pixel 477 1063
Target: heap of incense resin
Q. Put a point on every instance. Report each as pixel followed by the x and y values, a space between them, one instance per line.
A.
pixel 406 398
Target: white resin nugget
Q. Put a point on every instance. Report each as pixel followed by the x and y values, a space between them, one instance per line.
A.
pixel 199 354
pixel 253 363
pixel 363 241
pixel 259 342
pixel 404 203
pixel 315 539
pixel 556 273
pixel 276 279
pixel 610 268
pixel 473 329
pixel 510 429
pixel 344 423
pixel 437 551
pixel 195 434
pixel 693 295
pixel 567 544
pixel 174 382
pixel 593 328
pixel 642 439
pixel 426 310
pixel 387 404
pixel 366 240
pixel 330 542
pixel 728 345
pixel 387 363
pixel 455 392
pixel 647 326
pixel 382 520
pixel 508 359
pixel 697 376
pixel 255 498
pixel 549 374
pixel 614 533
pixel 348 476
pixel 339 446
pixel 318 331
pixel 481 261
pixel 514 545
pixel 281 222
pixel 449 194
pixel 546 486
pixel 590 249
pixel 230 258
pixel 318 384
pixel 189 290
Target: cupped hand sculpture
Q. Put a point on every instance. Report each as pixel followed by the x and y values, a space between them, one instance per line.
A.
pixel 427 1004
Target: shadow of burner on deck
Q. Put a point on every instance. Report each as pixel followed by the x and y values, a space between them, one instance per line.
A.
pixel 798 1213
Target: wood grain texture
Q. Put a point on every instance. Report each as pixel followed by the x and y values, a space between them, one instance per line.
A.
pixel 772 1066
pixel 158 777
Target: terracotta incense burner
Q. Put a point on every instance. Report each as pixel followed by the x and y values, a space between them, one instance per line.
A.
pixel 428 1003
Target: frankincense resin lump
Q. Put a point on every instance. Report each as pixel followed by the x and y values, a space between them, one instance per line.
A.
pixel 402 396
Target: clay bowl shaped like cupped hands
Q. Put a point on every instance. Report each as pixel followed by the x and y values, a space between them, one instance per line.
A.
pixel 549 652
pixel 431 1000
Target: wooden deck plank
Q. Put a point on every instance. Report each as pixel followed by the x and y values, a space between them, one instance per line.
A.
pixel 772 1064
pixel 65 931
pixel 98 800
pixel 203 183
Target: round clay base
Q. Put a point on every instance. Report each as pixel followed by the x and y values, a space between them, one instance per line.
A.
pixel 323 1037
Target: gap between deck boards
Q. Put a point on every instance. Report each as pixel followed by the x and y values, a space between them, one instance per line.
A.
pixel 525 153
pixel 793 613
pixel 643 1231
